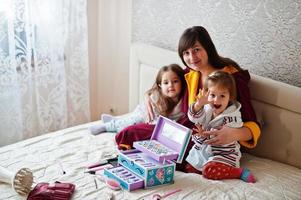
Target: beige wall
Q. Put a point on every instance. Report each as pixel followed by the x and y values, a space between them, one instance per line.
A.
pixel 109 24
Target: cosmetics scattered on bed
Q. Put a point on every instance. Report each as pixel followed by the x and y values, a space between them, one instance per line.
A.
pixel 98 167
pixel 111 161
pixel 152 163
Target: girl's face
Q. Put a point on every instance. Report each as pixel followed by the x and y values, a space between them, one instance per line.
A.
pixel 219 98
pixel 171 85
pixel 196 57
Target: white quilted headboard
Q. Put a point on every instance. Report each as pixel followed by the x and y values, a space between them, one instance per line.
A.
pixel 277 105
pixel 145 62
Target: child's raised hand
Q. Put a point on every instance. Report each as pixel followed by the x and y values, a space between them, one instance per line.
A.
pixel 201 100
pixel 202 97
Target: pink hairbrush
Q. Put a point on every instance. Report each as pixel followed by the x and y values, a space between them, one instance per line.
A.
pixel 113 184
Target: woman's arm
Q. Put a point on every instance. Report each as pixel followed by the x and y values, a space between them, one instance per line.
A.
pixel 246 136
pixel 151 101
pixel 149 109
pixel 226 135
pixel 251 125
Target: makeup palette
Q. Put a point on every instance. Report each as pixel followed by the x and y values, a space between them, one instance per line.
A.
pixel 154 160
pixel 168 142
pixel 127 179
pixel 152 171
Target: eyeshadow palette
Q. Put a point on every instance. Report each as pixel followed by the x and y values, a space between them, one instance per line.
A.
pixel 168 142
pixel 156 150
pixel 151 171
pixel 127 179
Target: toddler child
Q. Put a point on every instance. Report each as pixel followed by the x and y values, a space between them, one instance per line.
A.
pixel 216 106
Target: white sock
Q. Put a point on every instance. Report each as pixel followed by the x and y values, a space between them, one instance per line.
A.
pixel 106 118
pixel 97 129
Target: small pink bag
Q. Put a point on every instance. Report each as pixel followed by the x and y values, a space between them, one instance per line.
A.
pixel 56 191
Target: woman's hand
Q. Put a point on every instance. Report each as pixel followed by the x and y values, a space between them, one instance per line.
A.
pixel 225 135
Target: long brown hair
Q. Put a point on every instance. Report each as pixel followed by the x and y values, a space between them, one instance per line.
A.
pixel 201 35
pixel 165 104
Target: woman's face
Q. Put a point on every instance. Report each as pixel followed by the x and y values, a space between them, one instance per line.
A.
pixel 196 57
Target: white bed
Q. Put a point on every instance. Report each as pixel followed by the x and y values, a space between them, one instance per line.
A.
pixel 74 148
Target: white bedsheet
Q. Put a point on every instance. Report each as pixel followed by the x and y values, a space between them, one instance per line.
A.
pixel 74 148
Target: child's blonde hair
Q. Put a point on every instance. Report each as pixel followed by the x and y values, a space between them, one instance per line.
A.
pixel 165 104
pixel 223 79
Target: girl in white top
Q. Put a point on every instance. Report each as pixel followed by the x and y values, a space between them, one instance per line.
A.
pixel 216 106
pixel 165 96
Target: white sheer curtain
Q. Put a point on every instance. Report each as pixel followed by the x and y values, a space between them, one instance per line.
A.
pixel 43 67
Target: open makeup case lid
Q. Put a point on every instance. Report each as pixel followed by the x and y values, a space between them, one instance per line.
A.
pixel 170 135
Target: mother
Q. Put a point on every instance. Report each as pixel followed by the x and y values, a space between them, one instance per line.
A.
pixel 199 55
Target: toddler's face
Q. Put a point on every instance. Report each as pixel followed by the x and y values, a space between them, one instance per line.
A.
pixel 218 97
pixel 171 85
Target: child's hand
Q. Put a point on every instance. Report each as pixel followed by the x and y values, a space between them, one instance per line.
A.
pixel 201 100
pixel 198 130
pixel 149 109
